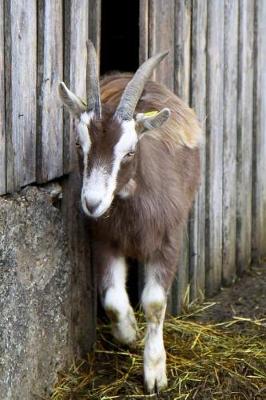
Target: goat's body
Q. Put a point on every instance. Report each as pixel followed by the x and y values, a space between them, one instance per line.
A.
pixel 149 222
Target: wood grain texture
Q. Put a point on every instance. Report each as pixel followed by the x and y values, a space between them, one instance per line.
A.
pixel 214 146
pixel 95 25
pixel 259 147
pixel 143 30
pixel 230 140
pixel 75 58
pixel 198 102
pixel 161 38
pixel 245 134
pixel 182 48
pixel 21 33
pixel 182 52
pixel 2 107
pixel 50 73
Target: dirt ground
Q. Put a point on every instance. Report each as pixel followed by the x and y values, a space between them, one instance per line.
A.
pixel 246 298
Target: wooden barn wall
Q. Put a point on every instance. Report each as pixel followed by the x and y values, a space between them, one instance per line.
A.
pixel 216 63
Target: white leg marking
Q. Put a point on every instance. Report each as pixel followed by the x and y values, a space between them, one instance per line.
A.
pixel 116 304
pixel 154 304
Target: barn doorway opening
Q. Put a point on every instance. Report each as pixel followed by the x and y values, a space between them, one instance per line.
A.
pixel 119 36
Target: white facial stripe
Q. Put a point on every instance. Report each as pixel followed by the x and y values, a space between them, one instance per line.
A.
pixel 83 133
pixel 126 143
pixel 86 117
pixel 128 139
pixel 84 138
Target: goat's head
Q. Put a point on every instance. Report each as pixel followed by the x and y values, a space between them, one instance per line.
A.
pixel 107 139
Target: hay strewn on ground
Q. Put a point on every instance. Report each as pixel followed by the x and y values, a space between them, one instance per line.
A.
pixel 203 362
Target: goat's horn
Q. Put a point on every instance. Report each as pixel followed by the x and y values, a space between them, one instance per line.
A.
pixel 92 81
pixel 134 88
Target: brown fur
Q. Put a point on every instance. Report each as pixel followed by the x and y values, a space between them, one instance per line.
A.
pixel 166 169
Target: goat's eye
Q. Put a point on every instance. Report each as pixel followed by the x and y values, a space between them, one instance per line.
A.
pixel 130 154
pixel 78 145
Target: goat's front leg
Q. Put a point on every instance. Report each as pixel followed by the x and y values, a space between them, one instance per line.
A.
pixel 112 288
pixel 154 305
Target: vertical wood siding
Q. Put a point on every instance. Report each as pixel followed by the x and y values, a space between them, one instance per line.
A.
pixel 259 148
pixel 2 106
pixel 182 58
pixel 20 68
pixel 216 62
pixel 230 140
pixel 245 134
pixel 214 144
pixel 76 25
pixel 50 72
pixel 198 102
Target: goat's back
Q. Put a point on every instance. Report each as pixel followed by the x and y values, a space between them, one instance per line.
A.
pixel 182 128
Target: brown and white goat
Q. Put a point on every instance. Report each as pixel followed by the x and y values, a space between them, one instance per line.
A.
pixel 140 174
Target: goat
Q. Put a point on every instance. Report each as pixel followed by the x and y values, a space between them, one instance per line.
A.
pixel 140 172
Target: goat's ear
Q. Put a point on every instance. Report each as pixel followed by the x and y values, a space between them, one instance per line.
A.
pixel 146 122
pixel 73 103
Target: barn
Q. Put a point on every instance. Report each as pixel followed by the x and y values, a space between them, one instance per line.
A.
pixel 216 63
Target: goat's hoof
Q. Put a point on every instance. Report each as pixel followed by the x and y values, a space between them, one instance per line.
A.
pixel 125 331
pixel 156 381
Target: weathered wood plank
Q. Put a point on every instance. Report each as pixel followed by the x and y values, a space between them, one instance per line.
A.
pixel 181 84
pixel 198 102
pixel 259 185
pixel 12 138
pixel 2 107
pixel 21 33
pixel 50 72
pixel 230 139
pixel 182 48
pixel 143 30
pixel 245 133
pixel 161 16
pixel 75 58
pixel 95 25
pixel 161 38
pixel 84 291
pixel 214 147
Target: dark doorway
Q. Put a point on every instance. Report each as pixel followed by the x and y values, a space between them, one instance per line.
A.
pixel 119 35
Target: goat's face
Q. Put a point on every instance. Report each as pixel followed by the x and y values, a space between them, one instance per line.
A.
pixel 107 140
pixel 107 151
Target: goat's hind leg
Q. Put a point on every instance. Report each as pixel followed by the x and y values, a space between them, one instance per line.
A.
pixel 112 287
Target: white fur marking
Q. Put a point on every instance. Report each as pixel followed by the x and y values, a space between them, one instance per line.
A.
pixel 83 133
pixel 94 191
pixel 116 302
pixel 154 304
pixel 86 117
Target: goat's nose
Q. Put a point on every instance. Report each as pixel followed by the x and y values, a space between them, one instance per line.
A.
pixel 92 205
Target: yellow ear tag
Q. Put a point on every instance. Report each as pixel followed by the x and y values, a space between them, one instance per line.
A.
pixel 151 113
